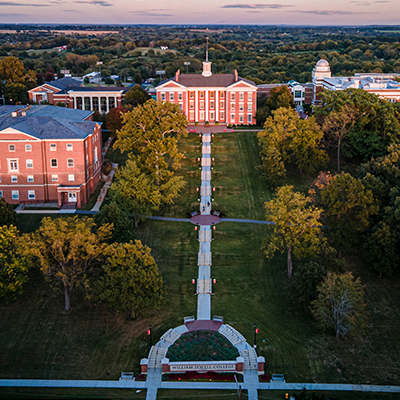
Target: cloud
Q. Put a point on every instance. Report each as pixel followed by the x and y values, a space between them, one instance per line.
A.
pixel 331 12
pixel 69 10
pixel 256 6
pixel 159 12
pixel 102 3
pixel 383 1
pixel 360 3
pixel 14 4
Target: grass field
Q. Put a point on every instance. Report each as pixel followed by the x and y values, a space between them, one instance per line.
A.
pixel 39 340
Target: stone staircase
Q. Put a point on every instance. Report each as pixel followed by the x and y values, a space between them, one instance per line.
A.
pixel 231 334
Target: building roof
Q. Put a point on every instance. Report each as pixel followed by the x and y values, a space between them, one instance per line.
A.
pixel 323 63
pixel 63 83
pixel 48 128
pixel 47 111
pixel 48 122
pixel 198 80
pixel 94 89
pixel 365 82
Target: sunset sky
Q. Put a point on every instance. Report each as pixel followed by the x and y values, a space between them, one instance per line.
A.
pixel 298 12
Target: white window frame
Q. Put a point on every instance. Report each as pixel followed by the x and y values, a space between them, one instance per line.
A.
pixel 171 96
pixel 163 96
pixel 28 147
pixel 232 106
pixel 30 178
pixel 53 147
pixel 29 164
pixel 241 96
pixel 11 165
pixel 249 96
pixel 54 178
pixel 241 118
pixel 70 147
pixel 180 96
pixel 233 96
pixel 232 118
pixel 31 195
pixel 68 163
pixel 15 194
pixel 71 178
pixel 249 106
pixel 51 162
pixel 249 118
pixel 201 115
pixel 1 193
pixel 11 147
pixel 14 178
pixel 241 106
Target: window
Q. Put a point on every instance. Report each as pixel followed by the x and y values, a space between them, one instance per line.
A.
pixel 1 193
pixel 232 106
pixel 86 144
pixel 191 95
pixel 222 116
pixel 249 106
pixel 211 104
pixel 53 147
pixel 29 163
pixel 191 104
pixel 222 95
pixel 71 177
pixel 212 115
pixel 241 118
pixel 180 96
pixel 70 162
pixel 53 162
pixel 171 96
pixel 201 117
pixel 297 94
pixel 30 178
pixel 15 194
pixel 201 104
pixel 13 164
pixel 70 147
pixel 95 156
pixel 232 96
pixel 54 178
pixel 11 147
pixel 249 119
pixel 241 96
pixel 0 178
pixel 222 105
pixel 31 194
pixel 191 115
pixel 163 96
pixel 28 147
pixel 232 117
pixel 14 178
pixel 241 107
pixel 87 159
pixel 249 96
pixel 201 95
pixel 211 95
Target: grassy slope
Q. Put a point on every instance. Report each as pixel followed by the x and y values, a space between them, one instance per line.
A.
pixel 38 340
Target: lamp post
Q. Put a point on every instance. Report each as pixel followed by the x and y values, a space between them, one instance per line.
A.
pixel 194 284
pixel 255 335
pixel 99 63
pixel 187 63
pixel 149 334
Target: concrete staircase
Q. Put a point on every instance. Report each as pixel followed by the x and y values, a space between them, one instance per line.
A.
pixel 231 334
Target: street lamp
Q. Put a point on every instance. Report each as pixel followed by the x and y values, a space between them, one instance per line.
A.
pixel 149 334
pixel 255 335
pixel 99 63
pixel 194 284
pixel 187 63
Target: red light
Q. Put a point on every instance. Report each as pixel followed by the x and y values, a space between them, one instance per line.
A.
pixel 256 330
pixel 193 281
pixel 214 281
pixel 148 332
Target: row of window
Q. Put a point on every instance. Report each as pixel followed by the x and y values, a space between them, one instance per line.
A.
pixel 221 105
pixel 30 178
pixel 222 117
pixel 13 165
pixel 15 194
pixel 53 147
pixel 212 96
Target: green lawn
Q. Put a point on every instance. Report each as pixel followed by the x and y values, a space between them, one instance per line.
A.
pixel 39 340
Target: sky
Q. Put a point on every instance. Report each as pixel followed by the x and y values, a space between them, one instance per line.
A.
pixel 206 12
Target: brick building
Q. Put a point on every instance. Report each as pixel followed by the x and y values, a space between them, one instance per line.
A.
pixel 70 91
pixel 207 98
pixel 48 154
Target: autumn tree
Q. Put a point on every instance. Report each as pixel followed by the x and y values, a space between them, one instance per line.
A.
pixel 280 96
pixel 67 249
pixel 7 214
pixel 348 207
pixel 297 226
pixel 131 281
pixel 13 265
pixel 285 138
pixel 135 96
pixel 114 119
pixel 340 304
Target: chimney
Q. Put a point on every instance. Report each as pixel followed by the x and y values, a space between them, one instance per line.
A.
pixel 236 75
pixel 177 75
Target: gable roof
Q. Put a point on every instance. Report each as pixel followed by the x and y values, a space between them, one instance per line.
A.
pixel 46 111
pixel 64 83
pixel 198 80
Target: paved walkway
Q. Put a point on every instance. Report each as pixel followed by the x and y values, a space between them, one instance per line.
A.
pixel 104 189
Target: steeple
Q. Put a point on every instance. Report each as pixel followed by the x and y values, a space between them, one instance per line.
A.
pixel 207 64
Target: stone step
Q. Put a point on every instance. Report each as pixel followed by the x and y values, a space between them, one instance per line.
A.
pixel 206 175
pixel 204 259
pixel 205 235
pixel 206 149
pixel 204 286
pixel 205 190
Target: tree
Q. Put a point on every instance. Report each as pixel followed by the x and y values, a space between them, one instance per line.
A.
pixel 7 214
pixel 131 280
pixel 123 226
pixel 280 96
pixel 13 265
pixel 297 226
pixel 67 249
pixel 348 207
pixel 340 304
pixel 287 137
pixel 114 119
pixel 135 96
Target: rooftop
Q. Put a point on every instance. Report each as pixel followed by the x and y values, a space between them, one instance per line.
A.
pixel 46 111
pixel 198 80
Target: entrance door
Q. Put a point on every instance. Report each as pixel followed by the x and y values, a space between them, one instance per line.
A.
pixel 72 197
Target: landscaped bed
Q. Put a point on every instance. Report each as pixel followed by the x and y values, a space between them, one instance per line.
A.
pixel 202 346
pixel 203 377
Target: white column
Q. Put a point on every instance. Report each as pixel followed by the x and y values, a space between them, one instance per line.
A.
pixel 196 106
pixel 115 101
pixel 186 94
pixel 216 105
pixel 91 102
pixel 108 105
pixel 206 96
pixel 74 102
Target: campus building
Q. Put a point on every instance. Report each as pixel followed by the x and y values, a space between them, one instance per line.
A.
pixel 72 94
pixel 301 92
pixel 48 154
pixel 383 85
pixel 207 98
